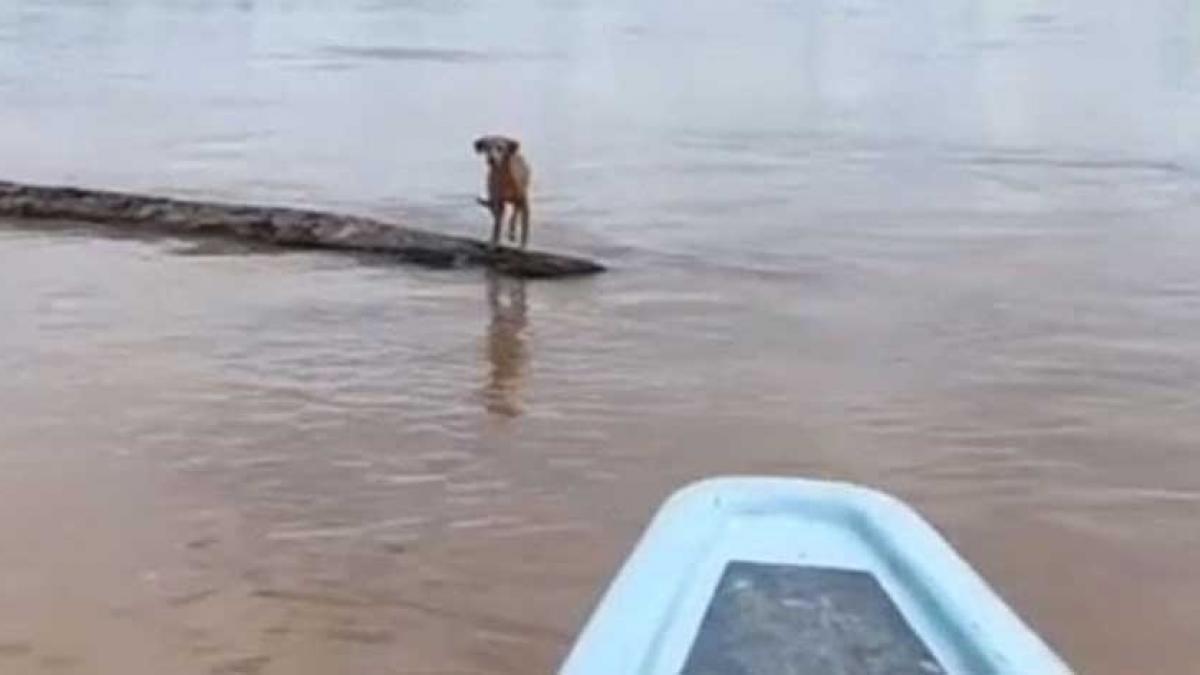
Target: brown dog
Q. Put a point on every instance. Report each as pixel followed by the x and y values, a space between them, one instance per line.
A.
pixel 507 185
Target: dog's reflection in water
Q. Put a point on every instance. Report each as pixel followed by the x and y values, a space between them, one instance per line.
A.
pixel 507 353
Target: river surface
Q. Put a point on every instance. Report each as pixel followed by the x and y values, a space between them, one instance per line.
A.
pixel 950 249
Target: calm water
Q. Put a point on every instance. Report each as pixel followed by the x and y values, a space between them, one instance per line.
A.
pixel 946 248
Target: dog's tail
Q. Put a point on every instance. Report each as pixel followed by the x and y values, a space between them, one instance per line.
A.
pixel 483 202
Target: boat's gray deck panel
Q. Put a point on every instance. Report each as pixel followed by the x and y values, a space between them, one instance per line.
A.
pixel 768 619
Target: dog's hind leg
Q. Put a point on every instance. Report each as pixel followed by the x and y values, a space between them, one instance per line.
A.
pixel 523 209
pixel 512 222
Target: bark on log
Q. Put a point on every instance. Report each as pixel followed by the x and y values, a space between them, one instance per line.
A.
pixel 295 228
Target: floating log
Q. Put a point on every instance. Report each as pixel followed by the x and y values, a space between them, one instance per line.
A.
pixel 286 227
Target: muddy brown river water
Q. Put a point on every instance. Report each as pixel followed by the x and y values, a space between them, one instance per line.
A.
pixel 949 249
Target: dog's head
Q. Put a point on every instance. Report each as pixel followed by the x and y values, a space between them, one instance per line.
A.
pixel 496 149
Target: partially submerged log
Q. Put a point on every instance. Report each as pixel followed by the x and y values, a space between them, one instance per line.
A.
pixel 295 228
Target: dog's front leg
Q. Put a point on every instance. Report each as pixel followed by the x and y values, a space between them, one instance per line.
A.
pixel 497 222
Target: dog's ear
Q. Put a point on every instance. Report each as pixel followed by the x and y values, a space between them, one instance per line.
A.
pixel 513 146
pixel 480 146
